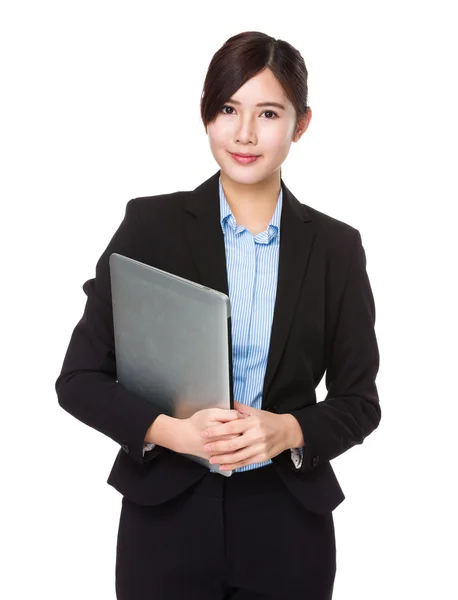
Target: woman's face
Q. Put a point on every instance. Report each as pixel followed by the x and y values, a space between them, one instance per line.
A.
pixel 267 130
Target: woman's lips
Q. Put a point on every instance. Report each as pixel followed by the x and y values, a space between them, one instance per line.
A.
pixel 243 160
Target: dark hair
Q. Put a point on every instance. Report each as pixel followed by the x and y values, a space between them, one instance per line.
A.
pixel 242 57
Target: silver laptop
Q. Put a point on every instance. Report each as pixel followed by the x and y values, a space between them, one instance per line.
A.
pixel 172 341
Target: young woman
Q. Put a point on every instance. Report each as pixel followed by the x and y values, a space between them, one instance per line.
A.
pixel 301 305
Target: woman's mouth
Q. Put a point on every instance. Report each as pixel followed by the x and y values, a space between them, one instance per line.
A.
pixel 243 160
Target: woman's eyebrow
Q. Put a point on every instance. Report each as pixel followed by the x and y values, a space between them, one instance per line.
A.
pixel 276 104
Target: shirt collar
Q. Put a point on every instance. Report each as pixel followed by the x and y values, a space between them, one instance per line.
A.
pixel 228 218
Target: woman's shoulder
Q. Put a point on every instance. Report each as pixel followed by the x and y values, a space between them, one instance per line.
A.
pixel 325 224
pixel 335 233
pixel 331 223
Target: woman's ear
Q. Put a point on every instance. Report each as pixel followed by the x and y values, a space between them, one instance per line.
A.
pixel 302 124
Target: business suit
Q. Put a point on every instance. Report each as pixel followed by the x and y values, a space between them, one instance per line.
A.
pixel 323 321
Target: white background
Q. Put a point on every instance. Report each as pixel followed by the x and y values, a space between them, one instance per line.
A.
pixel 100 104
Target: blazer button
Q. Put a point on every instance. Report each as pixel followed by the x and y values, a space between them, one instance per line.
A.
pixel 126 448
pixel 316 460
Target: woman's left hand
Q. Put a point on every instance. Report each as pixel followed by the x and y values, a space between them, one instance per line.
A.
pixel 261 435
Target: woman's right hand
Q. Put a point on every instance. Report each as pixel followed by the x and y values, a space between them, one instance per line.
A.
pixel 192 441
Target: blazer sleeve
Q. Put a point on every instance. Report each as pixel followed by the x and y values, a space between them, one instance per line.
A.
pixel 351 409
pixel 87 386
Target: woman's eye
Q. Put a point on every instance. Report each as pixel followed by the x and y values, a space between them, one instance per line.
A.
pixel 266 111
pixel 272 112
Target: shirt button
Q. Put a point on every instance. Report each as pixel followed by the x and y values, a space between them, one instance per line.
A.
pixel 126 448
pixel 316 460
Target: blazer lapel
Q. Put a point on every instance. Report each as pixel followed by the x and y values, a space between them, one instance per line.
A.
pixel 206 242
pixel 205 235
pixel 297 233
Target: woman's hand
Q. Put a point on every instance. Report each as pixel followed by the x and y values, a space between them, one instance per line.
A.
pixel 256 437
pixel 191 440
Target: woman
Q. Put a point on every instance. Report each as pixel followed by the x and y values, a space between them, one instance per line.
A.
pixel 301 304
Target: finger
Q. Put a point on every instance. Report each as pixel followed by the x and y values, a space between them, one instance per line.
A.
pixel 231 464
pixel 225 446
pixel 235 458
pixel 229 436
pixel 241 408
pixel 213 441
pixel 224 414
pixel 222 459
pixel 237 426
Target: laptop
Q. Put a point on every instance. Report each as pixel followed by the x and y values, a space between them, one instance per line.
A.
pixel 172 341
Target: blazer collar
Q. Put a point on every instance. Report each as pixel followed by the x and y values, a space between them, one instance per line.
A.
pixel 206 243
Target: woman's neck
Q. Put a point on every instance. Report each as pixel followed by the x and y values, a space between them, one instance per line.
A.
pixel 252 205
pixel 255 200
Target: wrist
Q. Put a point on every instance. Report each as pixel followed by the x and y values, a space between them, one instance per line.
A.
pixel 165 431
pixel 293 431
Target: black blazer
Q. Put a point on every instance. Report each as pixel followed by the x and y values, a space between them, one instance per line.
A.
pixel 323 322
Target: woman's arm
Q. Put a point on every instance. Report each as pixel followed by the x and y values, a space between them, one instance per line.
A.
pixel 87 386
pixel 351 409
pixel 164 431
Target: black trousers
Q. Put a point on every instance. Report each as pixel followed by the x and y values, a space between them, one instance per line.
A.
pixel 243 537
